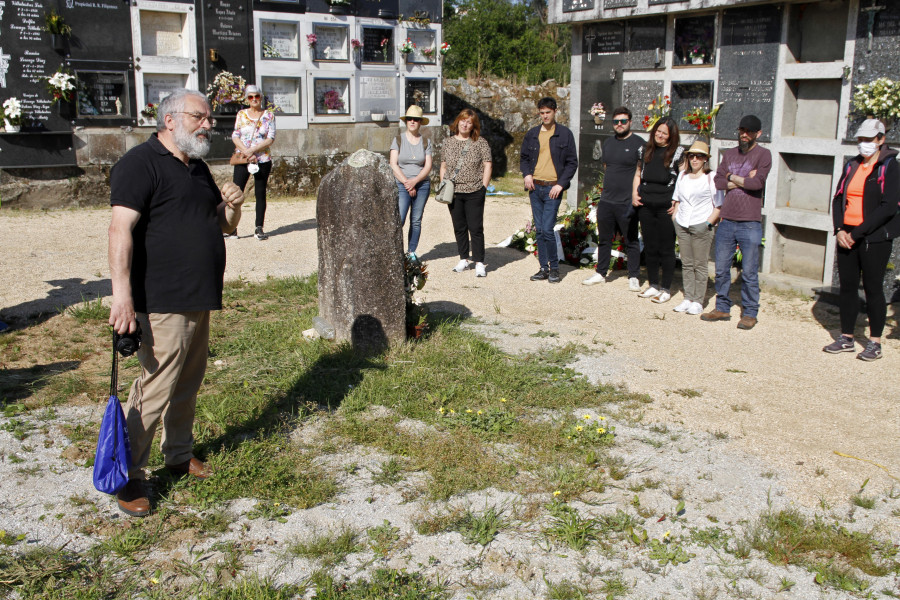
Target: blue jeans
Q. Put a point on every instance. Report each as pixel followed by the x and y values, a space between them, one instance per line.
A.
pixel 747 234
pixel 418 207
pixel 543 211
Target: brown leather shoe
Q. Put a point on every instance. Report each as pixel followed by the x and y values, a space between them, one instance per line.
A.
pixel 133 500
pixel 194 467
pixel 746 322
pixel 716 315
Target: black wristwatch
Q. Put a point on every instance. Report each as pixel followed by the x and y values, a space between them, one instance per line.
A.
pixel 709 225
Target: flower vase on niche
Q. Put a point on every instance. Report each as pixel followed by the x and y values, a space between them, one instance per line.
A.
pixel 10 128
pixel 697 60
pixel 67 110
pixel 58 42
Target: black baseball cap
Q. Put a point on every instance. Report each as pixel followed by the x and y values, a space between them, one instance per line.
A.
pixel 750 123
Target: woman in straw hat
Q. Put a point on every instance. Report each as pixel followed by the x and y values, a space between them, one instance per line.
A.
pixel 695 215
pixel 411 159
pixel 254 132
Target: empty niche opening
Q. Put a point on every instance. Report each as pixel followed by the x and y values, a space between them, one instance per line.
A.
pixel 811 108
pixel 805 182
pixel 799 252
pixel 816 31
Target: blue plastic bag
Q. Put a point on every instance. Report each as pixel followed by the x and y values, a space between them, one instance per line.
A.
pixel 113 448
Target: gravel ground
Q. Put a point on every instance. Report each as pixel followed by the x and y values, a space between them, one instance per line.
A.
pixel 756 416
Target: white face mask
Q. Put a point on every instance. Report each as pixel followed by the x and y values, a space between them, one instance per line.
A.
pixel 867 149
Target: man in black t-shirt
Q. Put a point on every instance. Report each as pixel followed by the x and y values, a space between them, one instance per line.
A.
pixel 167 264
pixel 614 207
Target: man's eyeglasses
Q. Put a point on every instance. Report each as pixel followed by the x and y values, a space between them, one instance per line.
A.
pixel 414 119
pixel 253 96
pixel 620 121
pixel 199 117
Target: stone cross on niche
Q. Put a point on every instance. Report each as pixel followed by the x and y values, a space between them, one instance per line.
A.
pixel 590 44
pixel 871 11
pixel 4 67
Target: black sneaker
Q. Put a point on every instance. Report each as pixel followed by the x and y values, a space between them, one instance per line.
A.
pixel 260 234
pixel 540 275
pixel 872 352
pixel 842 344
pixel 554 276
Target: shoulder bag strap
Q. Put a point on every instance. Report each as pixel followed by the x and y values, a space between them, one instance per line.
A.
pixel 462 155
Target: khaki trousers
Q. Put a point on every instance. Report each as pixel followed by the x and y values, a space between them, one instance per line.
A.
pixel 173 357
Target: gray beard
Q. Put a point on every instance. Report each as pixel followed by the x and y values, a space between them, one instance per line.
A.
pixel 190 144
pixel 744 146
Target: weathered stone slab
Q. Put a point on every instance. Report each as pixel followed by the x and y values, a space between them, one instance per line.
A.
pixel 361 253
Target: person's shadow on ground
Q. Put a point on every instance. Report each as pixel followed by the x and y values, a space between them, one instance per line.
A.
pixel 66 293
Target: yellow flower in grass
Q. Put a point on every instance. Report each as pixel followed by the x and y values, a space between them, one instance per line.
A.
pixel 479 412
pixel 600 430
pixel 468 410
pixel 502 399
pixel 452 412
pixel 556 493
pixel 154 580
pixel 579 428
pixel 667 535
pixel 442 410
pixel 586 417
pixel 602 418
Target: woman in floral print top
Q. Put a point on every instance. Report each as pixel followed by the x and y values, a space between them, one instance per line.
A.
pixel 254 132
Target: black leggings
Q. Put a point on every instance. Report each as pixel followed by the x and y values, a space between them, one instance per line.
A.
pixel 659 243
pixel 467 214
pixel 260 179
pixel 871 260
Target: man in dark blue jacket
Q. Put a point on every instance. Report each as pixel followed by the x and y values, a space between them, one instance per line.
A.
pixel 548 163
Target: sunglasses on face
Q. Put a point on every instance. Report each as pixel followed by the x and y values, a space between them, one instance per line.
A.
pixel 693 156
pixel 620 121
pixel 414 119
pixel 253 96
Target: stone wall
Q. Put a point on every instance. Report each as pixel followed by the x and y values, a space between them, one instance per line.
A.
pixel 303 156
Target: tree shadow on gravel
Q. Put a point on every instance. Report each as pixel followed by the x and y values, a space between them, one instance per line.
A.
pixel 17 384
pixel 66 293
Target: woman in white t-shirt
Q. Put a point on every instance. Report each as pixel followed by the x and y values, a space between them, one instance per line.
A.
pixel 696 213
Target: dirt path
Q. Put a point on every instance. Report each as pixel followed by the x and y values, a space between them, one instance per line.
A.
pixel 771 390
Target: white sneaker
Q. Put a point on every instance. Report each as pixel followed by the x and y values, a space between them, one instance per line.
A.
pixel 479 270
pixel 685 304
pixel 695 309
pixel 650 292
pixel 461 266
pixel 662 297
pixel 595 278
pixel 634 285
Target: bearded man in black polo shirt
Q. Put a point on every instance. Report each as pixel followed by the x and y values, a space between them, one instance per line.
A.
pixel 167 265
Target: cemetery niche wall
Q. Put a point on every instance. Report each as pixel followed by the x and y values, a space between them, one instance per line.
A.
pixel 794 65
pixel 126 55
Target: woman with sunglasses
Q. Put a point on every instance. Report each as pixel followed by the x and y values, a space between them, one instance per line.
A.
pixel 695 215
pixel 654 186
pixel 254 132
pixel 411 157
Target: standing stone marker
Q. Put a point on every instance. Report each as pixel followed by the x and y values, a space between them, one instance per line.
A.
pixel 360 253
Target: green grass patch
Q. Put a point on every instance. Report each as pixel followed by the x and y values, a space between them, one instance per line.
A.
pixel 570 528
pixel 385 583
pixel 827 549
pixel 89 310
pixel 330 549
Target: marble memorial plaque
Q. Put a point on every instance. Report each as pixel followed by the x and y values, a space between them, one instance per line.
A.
pixel 227 40
pixel 612 4
pixel 748 66
pixel 158 86
pixel 162 33
pixel 688 95
pixel 332 42
pixel 877 49
pixel 100 30
pixel 378 94
pixel 637 95
pixel 424 39
pixel 645 43
pixel 603 38
pixel 380 9
pixel 284 92
pixel 279 40
pixel 576 5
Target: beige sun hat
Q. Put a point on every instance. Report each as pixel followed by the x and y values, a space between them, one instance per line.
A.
pixel 699 147
pixel 415 112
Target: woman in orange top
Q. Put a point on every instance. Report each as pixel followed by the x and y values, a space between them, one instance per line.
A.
pixel 866 220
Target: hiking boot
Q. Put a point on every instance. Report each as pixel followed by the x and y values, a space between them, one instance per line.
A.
pixel 260 234
pixel 540 275
pixel 634 284
pixel 133 500
pixel 650 292
pixel 595 278
pixel 554 276
pixel 842 344
pixel 716 315
pixel 872 352
pixel 747 323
